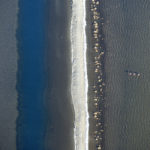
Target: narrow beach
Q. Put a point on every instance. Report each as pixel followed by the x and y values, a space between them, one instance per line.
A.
pixel 79 86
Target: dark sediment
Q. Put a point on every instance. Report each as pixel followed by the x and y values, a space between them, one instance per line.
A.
pixel 59 132
pixel 96 74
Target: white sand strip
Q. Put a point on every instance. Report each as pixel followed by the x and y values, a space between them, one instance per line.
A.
pixel 79 86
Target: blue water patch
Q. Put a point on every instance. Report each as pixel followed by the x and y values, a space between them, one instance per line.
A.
pixel 31 76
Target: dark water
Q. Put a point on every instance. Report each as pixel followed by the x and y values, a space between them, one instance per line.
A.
pixel 59 133
pixel 127 34
pixel 31 75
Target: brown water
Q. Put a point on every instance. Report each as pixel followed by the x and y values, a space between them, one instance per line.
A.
pixel 127 114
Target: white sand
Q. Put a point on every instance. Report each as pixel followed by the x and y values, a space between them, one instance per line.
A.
pixel 79 85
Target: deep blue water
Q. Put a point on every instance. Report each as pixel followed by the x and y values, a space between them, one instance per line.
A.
pixel 31 75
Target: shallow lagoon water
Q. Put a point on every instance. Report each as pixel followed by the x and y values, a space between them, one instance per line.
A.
pixel 30 84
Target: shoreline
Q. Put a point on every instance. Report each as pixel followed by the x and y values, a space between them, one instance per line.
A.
pixel 96 74
pixel 79 85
